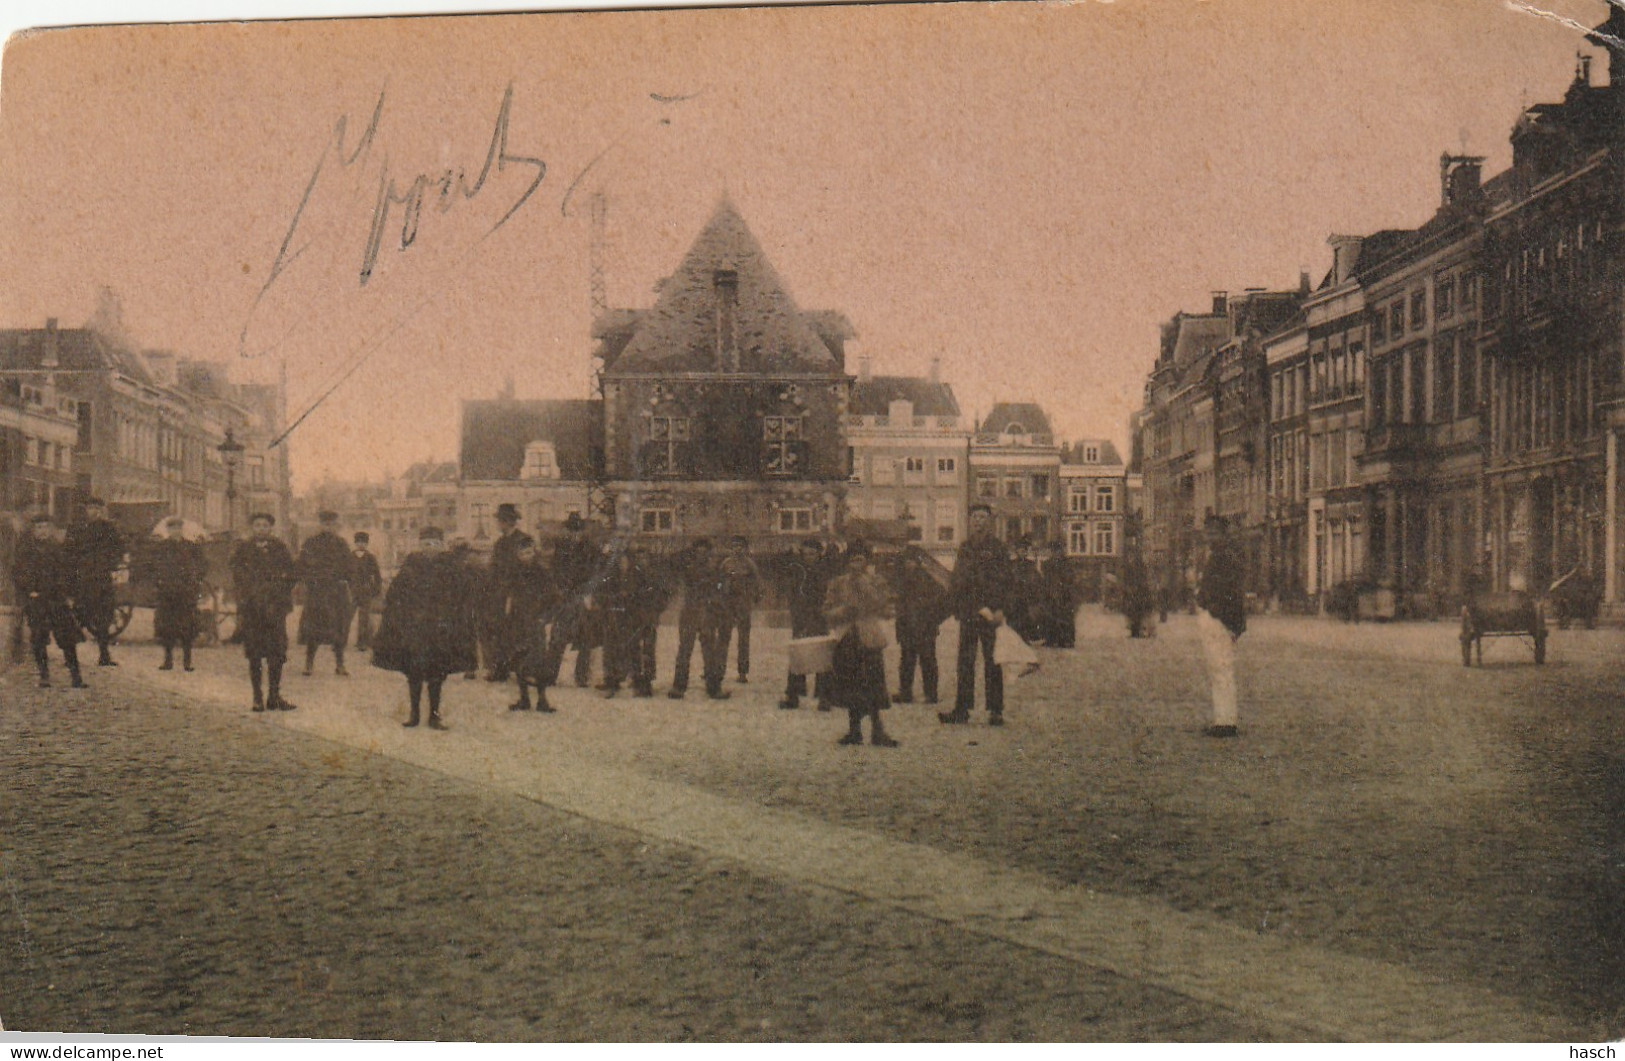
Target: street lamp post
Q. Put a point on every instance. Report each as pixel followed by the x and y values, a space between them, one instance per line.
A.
pixel 230 452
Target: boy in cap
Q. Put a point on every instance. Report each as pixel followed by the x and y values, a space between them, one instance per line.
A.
pixel 263 574
pixel 366 582
pixel 178 569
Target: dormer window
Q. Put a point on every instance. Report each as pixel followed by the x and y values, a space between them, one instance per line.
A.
pixel 1017 434
pixel 541 461
pixel 1091 454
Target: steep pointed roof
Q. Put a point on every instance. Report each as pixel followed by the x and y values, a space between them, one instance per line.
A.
pixel 680 333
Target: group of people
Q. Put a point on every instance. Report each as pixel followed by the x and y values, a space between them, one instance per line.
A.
pixel 341 582
pixel 65 584
pixel 444 614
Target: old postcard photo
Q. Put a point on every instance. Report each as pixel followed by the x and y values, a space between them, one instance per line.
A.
pixel 1089 521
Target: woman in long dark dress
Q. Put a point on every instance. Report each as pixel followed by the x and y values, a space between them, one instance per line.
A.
pixel 856 604
pixel 427 629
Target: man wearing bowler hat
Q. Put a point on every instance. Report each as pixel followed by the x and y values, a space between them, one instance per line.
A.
pixel 503 638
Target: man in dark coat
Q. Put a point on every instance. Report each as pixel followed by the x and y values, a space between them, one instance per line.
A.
pixel 324 568
pixel 627 603
pixel 741 589
pixel 979 594
pixel 97 550
pixel 427 629
pixel 1222 596
pixel 44 576
pixel 366 582
pixel 501 638
pixel 178 569
pixel 700 619
pixel 922 605
pixel 1139 598
pixel 263 575
pixel 1026 608
pixel 807 575
pixel 575 567
pixel 1058 599
pixel 534 600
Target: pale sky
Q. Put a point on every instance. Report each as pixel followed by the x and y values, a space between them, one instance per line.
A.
pixel 1023 190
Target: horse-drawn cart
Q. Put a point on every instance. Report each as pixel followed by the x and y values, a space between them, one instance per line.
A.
pixel 1510 614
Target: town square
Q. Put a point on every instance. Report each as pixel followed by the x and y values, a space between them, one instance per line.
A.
pixel 874 523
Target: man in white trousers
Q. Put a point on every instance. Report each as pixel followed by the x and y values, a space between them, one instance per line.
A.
pixel 1221 620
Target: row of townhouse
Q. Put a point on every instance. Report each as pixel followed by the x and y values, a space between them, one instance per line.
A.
pixel 1443 409
pixel 84 414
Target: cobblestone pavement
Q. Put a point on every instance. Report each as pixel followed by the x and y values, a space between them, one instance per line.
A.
pixel 173 869
pixel 1383 803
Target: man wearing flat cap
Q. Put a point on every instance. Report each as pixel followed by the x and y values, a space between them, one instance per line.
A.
pixel 263 574
pixel 44 577
pixel 97 550
pixel 325 567
pixel 427 630
pixel 575 568
pixel 366 582
pixel 178 569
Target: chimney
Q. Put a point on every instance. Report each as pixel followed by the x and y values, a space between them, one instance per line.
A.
pixel 507 388
pixel 1221 303
pixel 936 370
pixel 1582 70
pixel 1303 282
pixel 863 370
pixel 1459 177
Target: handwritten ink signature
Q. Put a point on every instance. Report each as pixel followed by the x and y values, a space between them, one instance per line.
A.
pixel 453 187
pixel 450 185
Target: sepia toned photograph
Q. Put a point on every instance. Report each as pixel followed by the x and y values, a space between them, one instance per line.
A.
pixel 928 522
